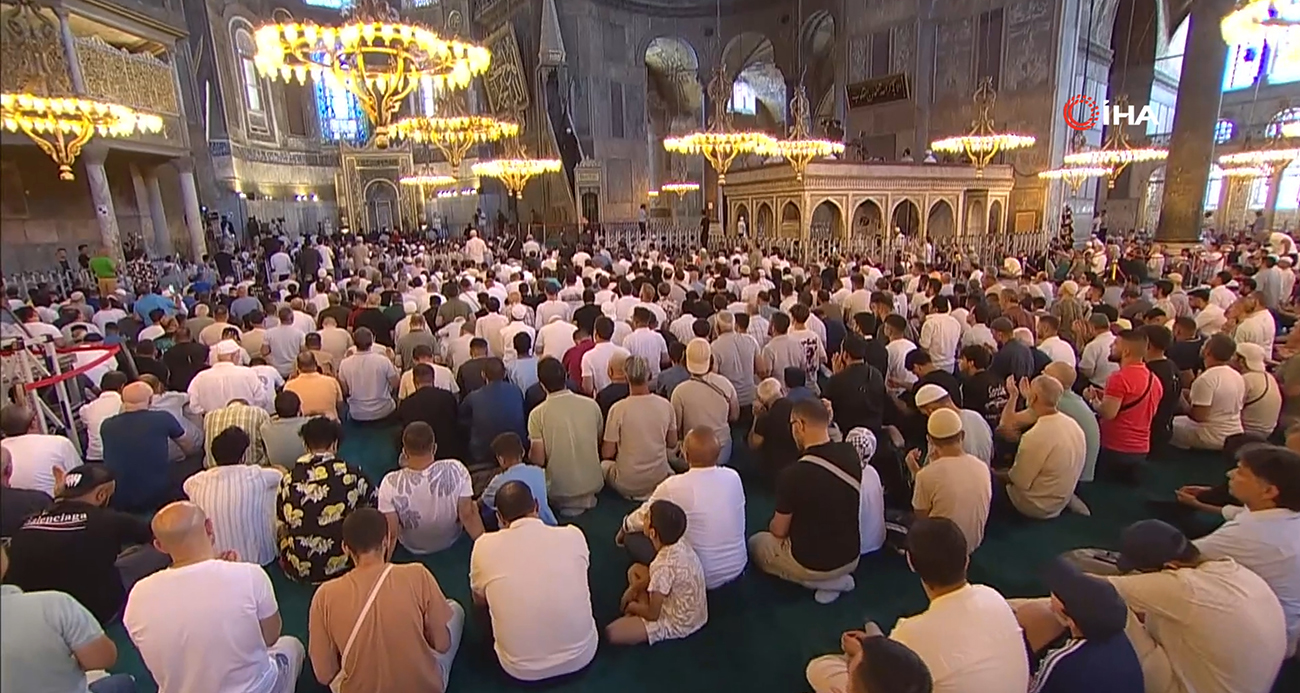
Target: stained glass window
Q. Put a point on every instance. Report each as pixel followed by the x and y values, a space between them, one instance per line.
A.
pixel 1223 131
pixel 340 114
pixel 1273 62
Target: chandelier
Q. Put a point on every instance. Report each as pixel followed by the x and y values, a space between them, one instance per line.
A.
pixel 801 148
pixel 1275 154
pixel 515 169
pixel 720 144
pixel 1074 176
pixel 1256 21
pixel 1246 172
pixel 454 136
pixel 61 126
pixel 983 142
pixel 679 188
pixel 1116 153
pixel 372 54
pixel 427 178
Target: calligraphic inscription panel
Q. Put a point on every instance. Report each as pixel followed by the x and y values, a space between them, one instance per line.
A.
pixel 138 80
pixel 32 55
pixel 507 90
pixel 873 92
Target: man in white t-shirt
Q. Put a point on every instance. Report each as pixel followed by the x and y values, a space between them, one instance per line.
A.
pixel 1215 400
pixel 226 640
pixel 595 363
pixel 968 637
pixel 475 249
pixel 533 580
pixel 35 455
pixel 428 500
pixel 1210 318
pixel 1255 324
pixel 940 334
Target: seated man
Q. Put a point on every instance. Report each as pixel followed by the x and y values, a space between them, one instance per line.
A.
pixel 427 501
pixel 238 414
pixel 280 435
pixel 314 499
pixel 639 430
pixel 666 600
pixel 714 501
pixel 238 499
pixel 1079 630
pixel 76 545
pixel 1215 400
pixel 977 438
pixel 1049 458
pixel 1218 625
pixel 229 640
pixel 813 538
pixel 137 448
pixel 382 627
pixel 488 411
pixel 509 451
pixel 533 580
pixel 968 638
pixel 35 455
pixel 16 504
pixel 50 642
pixel 871 662
pixel 953 484
pixel 1264 535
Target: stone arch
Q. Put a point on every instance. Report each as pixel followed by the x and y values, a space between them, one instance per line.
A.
pixel 975 218
pixel 791 220
pixel 906 217
pixel 674 100
pixel 868 219
pixel 764 221
pixel 383 204
pixel 742 212
pixel 940 221
pixel 758 98
pixel 818 39
pixel 827 220
pixel 995 218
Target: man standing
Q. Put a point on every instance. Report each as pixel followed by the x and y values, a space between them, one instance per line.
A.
pixel 533 580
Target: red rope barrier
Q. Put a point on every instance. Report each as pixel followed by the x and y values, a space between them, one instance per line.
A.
pixel 111 351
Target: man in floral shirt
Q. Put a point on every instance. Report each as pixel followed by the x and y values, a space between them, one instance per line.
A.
pixel 319 492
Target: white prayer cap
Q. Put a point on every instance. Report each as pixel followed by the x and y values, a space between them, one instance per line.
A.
pixel 226 347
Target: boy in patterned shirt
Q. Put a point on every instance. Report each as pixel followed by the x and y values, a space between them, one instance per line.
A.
pixel 667 600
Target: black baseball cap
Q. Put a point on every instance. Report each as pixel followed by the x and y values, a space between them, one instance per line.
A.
pixel 892 666
pixel 1091 602
pixel 81 480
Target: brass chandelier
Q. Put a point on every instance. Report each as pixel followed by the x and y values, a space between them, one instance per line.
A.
pixel 801 147
pixel 1117 152
pixel 373 54
pixel 454 136
pixel 1276 153
pixel 1074 176
pixel 515 169
pixel 983 142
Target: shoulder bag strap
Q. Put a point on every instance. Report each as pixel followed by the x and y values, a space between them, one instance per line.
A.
pixel 843 475
pixel 1268 385
pixel 1151 377
pixel 361 618
pixel 711 386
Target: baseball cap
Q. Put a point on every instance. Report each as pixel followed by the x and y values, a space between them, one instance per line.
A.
pixel 1149 544
pixel 892 666
pixel 944 423
pixel 83 479
pixel 1092 603
pixel 1253 355
pixel 929 394
pixel 698 356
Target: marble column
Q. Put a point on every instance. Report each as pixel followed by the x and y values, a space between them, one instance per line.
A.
pixel 142 211
pixel 193 215
pixel 1191 146
pixel 101 196
pixel 1270 200
pixel 162 234
pixel 70 50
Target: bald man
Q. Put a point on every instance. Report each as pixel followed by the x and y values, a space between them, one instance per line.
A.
pixel 1049 459
pixel 227 641
pixel 136 448
pixel 714 501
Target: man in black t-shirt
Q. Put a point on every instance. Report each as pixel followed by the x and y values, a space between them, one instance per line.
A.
pixel 813 538
pixel 771 436
pixel 981 392
pixel 436 407
pixel 73 546
pixel 856 390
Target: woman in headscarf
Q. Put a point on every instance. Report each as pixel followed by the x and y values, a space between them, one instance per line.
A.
pixel 871 513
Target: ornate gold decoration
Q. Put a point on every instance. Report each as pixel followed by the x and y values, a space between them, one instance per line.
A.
pixel 720 144
pixel 983 142
pixel 1116 153
pixel 1074 176
pixel 504 82
pixel 454 136
pixel 516 168
pixel 31 51
pixel 139 80
pixel 372 54
pixel 1277 152
pixel 61 126
pixel 801 147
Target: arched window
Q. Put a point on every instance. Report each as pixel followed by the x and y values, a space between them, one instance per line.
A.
pixel 1258 193
pixel 1224 130
pixel 255 96
pixel 1289 115
pixel 332 4
pixel 743 99
pixel 1288 191
pixel 1214 189
pixel 340 115
pixel 1269 62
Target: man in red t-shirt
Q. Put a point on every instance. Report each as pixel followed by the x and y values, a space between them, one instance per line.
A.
pixel 572 359
pixel 1126 408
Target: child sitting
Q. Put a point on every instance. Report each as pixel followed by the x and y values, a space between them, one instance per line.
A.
pixel 509 451
pixel 666 600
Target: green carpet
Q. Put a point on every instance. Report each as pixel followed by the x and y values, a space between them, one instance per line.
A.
pixel 761 632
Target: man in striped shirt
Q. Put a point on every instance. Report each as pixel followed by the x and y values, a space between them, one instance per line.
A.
pixel 237 414
pixel 239 499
